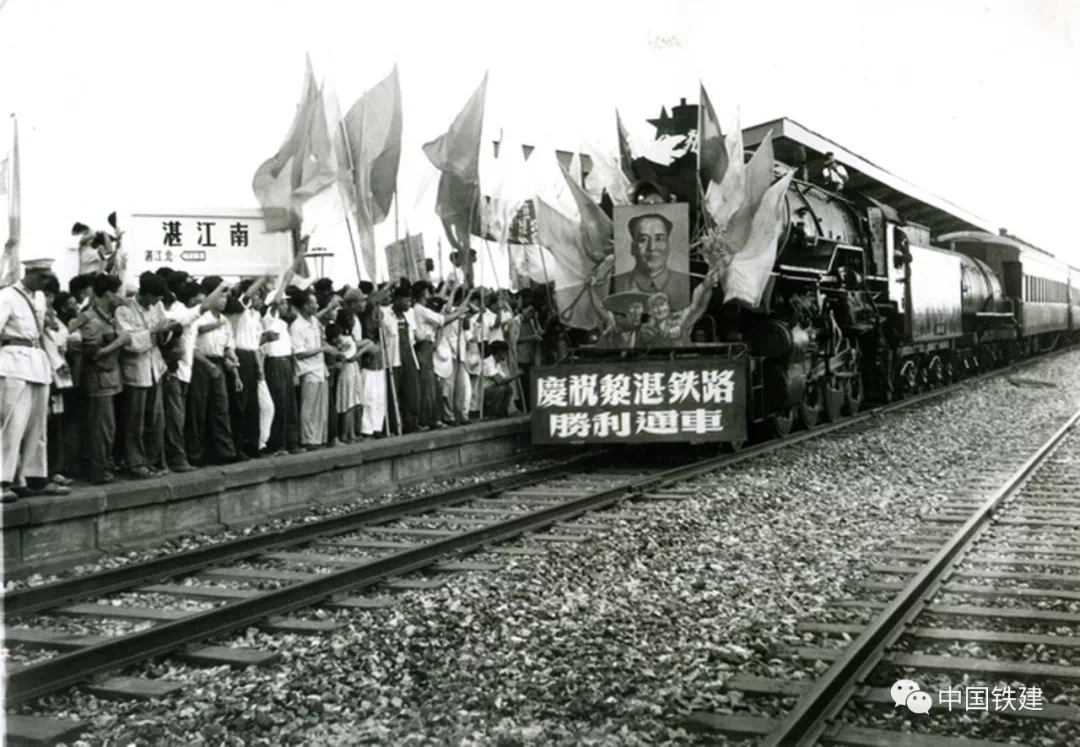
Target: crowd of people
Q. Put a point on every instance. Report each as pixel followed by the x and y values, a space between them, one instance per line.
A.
pixel 177 372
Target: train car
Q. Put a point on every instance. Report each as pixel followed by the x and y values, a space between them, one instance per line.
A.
pixel 1074 303
pixel 1036 282
pixel 878 290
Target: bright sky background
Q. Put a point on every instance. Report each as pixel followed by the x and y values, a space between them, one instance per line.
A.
pixel 157 105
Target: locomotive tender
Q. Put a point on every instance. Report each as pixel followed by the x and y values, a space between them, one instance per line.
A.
pixel 879 290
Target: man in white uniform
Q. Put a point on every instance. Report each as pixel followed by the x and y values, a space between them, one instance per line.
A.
pixel 25 375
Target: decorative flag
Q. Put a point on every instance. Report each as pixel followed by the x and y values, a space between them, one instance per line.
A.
pixel 607 176
pixel 725 197
pixel 745 279
pixel 456 154
pixel 373 152
pixel 509 194
pixel 758 177
pixel 9 259
pixel 597 229
pixel 626 156
pixel 567 266
pixel 712 155
pixel 303 166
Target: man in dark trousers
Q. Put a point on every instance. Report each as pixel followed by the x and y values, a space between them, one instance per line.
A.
pixel 404 370
pixel 213 374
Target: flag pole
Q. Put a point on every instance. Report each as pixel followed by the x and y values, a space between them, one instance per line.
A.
pixel 344 207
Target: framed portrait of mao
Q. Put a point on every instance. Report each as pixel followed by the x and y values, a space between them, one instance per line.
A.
pixel 652 251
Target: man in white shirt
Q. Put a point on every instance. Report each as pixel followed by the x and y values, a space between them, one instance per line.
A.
pixel 190 304
pixel 247 334
pixel 280 373
pixel 25 375
pixel 429 323
pixel 213 375
pixel 496 382
pixel 310 351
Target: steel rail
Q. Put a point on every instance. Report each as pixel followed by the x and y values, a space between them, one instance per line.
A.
pixel 40 679
pixel 806 723
pixel 36 680
pixel 36 599
pixel 39 598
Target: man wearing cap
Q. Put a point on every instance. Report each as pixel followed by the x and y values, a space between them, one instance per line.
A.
pixel 623 315
pixel 25 375
pixel 650 245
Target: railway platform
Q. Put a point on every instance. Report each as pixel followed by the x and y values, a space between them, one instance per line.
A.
pixel 51 534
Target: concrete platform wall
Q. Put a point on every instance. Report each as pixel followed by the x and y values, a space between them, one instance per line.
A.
pixel 47 534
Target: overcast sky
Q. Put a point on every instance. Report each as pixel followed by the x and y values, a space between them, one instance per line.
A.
pixel 163 105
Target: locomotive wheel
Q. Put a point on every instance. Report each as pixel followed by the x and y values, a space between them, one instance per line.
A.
pixel 948 372
pixel 832 398
pixel 926 382
pixel 939 372
pixel 853 395
pixel 782 422
pixel 733 447
pixel 907 378
pixel 811 406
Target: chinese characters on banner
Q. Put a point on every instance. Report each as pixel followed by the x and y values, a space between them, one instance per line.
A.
pixel 405 259
pixel 227 243
pixel 700 400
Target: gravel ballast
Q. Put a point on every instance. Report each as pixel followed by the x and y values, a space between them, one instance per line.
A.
pixel 614 640
pixel 312 512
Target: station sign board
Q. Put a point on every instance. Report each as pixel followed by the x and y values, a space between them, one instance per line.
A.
pixel 230 243
pixel 640 402
pixel 406 259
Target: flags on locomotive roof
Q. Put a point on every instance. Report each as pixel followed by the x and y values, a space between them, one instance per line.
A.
pixel 626 156
pixel 724 197
pixel 456 154
pixel 758 177
pixel 607 176
pixel 9 259
pixel 303 166
pixel 712 153
pixel 746 277
pixel 372 127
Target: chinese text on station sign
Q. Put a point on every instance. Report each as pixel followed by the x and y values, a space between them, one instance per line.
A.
pixel 639 402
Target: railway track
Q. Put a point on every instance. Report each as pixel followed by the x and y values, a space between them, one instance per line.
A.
pixel 983 578
pixel 329 564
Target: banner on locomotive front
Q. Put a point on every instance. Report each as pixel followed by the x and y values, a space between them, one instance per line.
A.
pixel 641 402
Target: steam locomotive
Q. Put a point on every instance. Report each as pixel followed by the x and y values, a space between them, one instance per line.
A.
pixel 878 291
